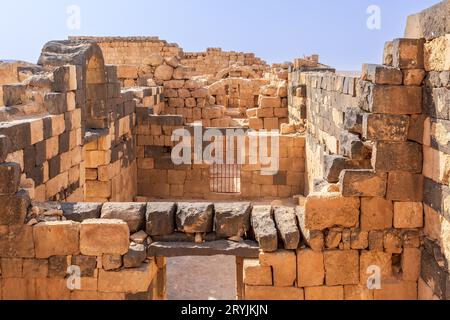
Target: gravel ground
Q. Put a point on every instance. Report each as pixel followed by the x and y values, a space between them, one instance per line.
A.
pixel 201 278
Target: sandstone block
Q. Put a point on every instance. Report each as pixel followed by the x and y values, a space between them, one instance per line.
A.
pixel 380 74
pixel 404 186
pixel 160 217
pixel 383 127
pixel 376 214
pixel 132 213
pixel 284 266
pixel 270 102
pixel 14 208
pixel 324 211
pixel 357 293
pixel 363 183
pixel 413 77
pixel 324 293
pixel 258 293
pixel 341 267
pixel 310 267
pixel 398 290
pixel 411 263
pixel 112 262
pixel 408 215
pixel 104 236
pixel 9 178
pixel 56 239
pixel 127 280
pixel 381 260
pixel 398 156
pixel 257 275
pixel 408 53
pixel 232 219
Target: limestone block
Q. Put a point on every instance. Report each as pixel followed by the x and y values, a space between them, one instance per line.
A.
pixel 81 211
pixel 408 215
pixel 286 222
pixel 260 293
pixel 135 256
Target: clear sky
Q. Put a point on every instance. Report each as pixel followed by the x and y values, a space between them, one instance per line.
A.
pixel 276 30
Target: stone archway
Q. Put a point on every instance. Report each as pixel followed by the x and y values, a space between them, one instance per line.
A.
pixel 237 72
pixel 87 56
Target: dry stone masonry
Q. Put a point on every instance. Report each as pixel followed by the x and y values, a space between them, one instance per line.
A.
pixel 92 203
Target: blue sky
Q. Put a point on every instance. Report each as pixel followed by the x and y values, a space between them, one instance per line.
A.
pixel 276 30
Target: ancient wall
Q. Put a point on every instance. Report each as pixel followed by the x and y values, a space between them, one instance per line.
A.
pixel 159 177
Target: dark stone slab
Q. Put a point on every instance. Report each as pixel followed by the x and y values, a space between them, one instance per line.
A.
pixel 81 211
pixel 9 178
pixel 88 265
pixel 232 219
pixel 57 267
pixel 246 249
pixel 160 217
pixel 132 213
pixel 135 256
pixel 4 147
pixel 264 228
pixel 433 275
pixel 195 217
pixel 286 222
pixel 14 208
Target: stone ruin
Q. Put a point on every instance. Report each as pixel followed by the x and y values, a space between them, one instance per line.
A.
pixel 87 178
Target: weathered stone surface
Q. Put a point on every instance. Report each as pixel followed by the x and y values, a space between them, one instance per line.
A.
pixel 357 293
pixel 397 290
pixel 430 23
pixel 14 208
pixel 324 293
pixel 104 236
pixel 376 214
pixel 246 249
pixel 408 215
pixel 380 74
pixel 57 267
pixel 404 186
pixel 4 147
pixel 88 265
pixel 257 275
pixel 384 127
pixel 352 147
pixel 195 218
pixel 393 242
pixel 284 266
pixel 413 77
pixel 9 178
pixel 164 72
pixel 154 60
pixel 401 100
pixel 175 237
pixel 408 53
pixel 132 213
pixel 139 237
pixel 411 262
pixel 313 239
pixel 81 211
pixel 388 58
pixel 341 267
pixel 127 280
pixel 353 119
pixel 335 164
pixel 160 217
pixel 310 268
pixel 434 276
pixel 359 239
pixel 264 228
pixel 286 222
pixel 135 256
pixel 232 219
pixel 112 262
pixel 363 183
pixel 398 156
pixel 333 238
pixel 260 293
pixel 17 242
pixel 56 239
pixel 379 259
pixel 324 211
pixel 437 54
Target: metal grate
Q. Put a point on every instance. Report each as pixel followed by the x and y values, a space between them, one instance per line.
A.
pixel 225 178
